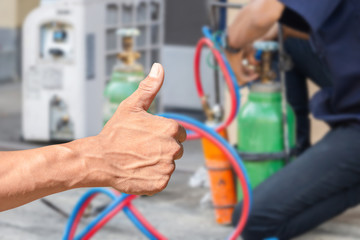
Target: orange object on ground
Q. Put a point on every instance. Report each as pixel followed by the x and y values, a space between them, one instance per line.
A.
pixel 221 181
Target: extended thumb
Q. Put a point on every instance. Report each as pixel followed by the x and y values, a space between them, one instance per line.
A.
pixel 148 88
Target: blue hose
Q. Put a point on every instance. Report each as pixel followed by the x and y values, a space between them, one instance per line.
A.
pixel 78 206
pixel 93 223
pixel 113 196
pixel 208 34
pixel 119 200
pixel 236 85
pixel 138 224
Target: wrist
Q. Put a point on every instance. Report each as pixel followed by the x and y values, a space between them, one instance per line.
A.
pixel 89 167
pixel 70 165
pixel 230 47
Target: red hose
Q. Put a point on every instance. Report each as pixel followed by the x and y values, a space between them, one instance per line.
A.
pixel 143 220
pixel 137 214
pixel 108 217
pixel 79 216
pixel 201 44
pixel 246 201
pixel 146 224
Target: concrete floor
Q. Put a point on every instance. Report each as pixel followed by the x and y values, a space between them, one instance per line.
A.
pixel 176 212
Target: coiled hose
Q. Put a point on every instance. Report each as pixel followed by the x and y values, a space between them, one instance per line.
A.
pixel 124 201
pixel 229 77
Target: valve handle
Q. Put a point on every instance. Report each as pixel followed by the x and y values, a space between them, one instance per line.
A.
pixel 128 32
pixel 266 46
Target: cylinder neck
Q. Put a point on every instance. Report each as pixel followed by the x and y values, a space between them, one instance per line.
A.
pixel 265 92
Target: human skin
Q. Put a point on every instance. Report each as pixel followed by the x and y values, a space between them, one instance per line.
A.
pixel 254 21
pixel 135 153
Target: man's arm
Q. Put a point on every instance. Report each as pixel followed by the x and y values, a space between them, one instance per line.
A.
pixel 290 32
pixel 273 33
pixel 32 174
pixel 254 21
pixel 134 153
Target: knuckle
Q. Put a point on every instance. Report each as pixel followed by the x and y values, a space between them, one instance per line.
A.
pixel 173 127
pixel 124 106
pixel 162 184
pixel 125 189
pixel 181 153
pixel 123 103
pixel 177 149
pixel 146 86
pixel 183 130
pixel 171 169
pixel 127 106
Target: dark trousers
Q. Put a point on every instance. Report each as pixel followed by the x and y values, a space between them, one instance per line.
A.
pixel 320 184
pixel 306 65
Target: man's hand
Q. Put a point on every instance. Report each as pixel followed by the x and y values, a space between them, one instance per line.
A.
pixel 135 152
pixel 251 23
pixel 244 74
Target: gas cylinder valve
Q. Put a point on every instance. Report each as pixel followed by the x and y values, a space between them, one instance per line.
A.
pixel 265 51
pixel 126 75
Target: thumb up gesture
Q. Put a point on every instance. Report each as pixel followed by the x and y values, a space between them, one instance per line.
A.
pixel 135 153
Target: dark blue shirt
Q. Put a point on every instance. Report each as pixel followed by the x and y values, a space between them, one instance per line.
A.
pixel 335 34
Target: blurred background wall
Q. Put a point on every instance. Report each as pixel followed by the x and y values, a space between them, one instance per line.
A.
pixel 183 22
pixel 12 15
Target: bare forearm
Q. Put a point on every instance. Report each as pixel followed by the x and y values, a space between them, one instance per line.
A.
pixel 254 21
pixel 290 32
pixel 29 175
pixel 135 153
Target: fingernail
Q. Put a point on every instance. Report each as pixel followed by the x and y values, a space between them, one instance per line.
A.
pixel 155 70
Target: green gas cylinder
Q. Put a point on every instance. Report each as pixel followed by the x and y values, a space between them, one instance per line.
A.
pixel 126 75
pixel 260 130
pixel 120 87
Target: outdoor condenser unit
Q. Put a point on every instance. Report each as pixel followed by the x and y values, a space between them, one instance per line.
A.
pixel 70 48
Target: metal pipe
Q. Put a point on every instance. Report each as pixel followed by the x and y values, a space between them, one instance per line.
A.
pixel 283 94
pixel 226 5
